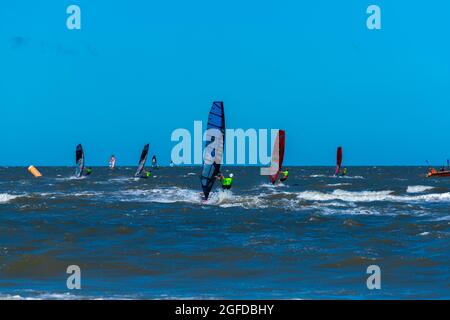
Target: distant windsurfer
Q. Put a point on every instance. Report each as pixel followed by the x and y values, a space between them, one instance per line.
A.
pixel 112 162
pixel 226 182
pixel 145 174
pixel 154 162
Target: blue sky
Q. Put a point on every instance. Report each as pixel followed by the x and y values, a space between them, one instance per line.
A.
pixel 137 70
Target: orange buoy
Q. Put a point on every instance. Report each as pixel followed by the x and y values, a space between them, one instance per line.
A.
pixel 35 172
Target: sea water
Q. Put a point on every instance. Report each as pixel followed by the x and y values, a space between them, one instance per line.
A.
pixel 312 237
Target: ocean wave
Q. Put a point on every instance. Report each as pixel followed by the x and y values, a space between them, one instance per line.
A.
pixel 336 177
pixel 347 196
pixel 60 296
pixel 418 189
pixel 164 195
pixel 351 177
pixel 226 199
pixel 5 197
pixel 221 198
pixel 370 196
pixel 70 178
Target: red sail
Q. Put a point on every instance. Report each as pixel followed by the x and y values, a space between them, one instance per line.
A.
pixel 338 160
pixel 277 156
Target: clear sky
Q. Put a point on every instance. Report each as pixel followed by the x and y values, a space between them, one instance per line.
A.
pixel 137 70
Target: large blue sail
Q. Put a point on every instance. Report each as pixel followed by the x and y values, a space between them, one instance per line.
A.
pixel 79 160
pixel 213 149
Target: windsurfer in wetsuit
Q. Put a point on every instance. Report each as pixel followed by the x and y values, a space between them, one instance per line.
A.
pixel 344 172
pixel 226 182
pixel 87 171
pixel 146 174
pixel 285 174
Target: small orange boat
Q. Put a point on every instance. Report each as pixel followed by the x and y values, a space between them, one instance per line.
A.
pixel 438 174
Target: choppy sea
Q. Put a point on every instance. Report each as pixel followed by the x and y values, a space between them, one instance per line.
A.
pixel 312 237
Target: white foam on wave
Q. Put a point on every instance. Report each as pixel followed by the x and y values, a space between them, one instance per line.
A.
pixel 70 178
pixel 370 196
pixel 119 180
pixel 227 199
pixel 5 197
pixel 351 177
pixel 338 184
pixel 58 296
pixel 347 196
pixel 222 198
pixel 335 177
pixel 418 189
pixel 273 186
pixel 163 195
pixel 318 176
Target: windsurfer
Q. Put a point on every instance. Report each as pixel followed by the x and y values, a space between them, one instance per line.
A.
pixel 226 182
pixel 285 174
pixel 146 174
pixel 87 171
pixel 112 162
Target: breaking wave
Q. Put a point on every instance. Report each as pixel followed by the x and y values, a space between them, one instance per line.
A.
pixel 418 189
pixel 371 196
pixel 5 197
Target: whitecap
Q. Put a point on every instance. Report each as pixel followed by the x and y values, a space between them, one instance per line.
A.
pixel 5 197
pixel 418 189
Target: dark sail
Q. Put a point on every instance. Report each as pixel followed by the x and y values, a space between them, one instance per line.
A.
pixel 213 149
pixel 79 160
pixel 142 161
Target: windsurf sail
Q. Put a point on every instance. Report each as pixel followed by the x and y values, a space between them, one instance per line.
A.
pixel 79 160
pixel 154 162
pixel 112 162
pixel 277 156
pixel 142 161
pixel 338 161
pixel 213 153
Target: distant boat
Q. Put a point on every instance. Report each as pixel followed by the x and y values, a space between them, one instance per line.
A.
pixel 213 149
pixel 277 156
pixel 439 174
